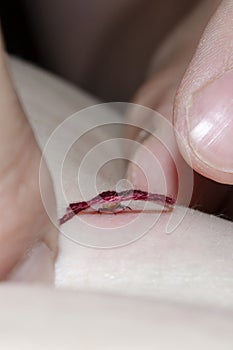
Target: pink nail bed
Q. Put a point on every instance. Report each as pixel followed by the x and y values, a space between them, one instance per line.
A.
pixel 210 123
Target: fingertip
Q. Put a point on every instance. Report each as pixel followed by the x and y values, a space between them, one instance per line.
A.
pixel 203 105
pixel 153 169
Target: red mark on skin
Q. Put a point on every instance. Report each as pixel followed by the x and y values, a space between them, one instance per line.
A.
pixel 112 201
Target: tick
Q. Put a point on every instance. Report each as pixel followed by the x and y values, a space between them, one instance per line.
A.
pixel 111 202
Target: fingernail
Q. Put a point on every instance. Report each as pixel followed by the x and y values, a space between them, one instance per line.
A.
pixel 210 123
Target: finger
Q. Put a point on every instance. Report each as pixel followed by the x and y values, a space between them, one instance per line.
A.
pixel 153 165
pixel 169 64
pixel 203 113
pixel 26 233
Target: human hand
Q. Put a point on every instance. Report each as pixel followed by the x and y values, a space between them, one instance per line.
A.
pixel 187 272
pixel 27 237
pixel 202 107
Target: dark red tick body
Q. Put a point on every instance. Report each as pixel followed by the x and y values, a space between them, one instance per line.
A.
pixel 112 202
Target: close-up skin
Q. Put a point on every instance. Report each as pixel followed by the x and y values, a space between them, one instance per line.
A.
pixel 183 70
pixel 193 265
pixel 139 278
pixel 25 225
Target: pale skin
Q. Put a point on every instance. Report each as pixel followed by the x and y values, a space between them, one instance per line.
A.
pixel 171 73
pixel 192 265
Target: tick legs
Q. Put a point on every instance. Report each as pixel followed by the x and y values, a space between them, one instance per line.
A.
pixel 113 209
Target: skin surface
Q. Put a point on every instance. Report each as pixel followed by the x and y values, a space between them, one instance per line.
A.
pixel 171 73
pixel 93 321
pixel 184 276
pixel 25 224
pixel 191 265
pixel 33 87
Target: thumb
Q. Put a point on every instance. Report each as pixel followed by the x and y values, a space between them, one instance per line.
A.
pixel 203 111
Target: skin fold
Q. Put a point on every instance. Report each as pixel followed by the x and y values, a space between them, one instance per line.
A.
pixel 25 224
pixel 185 275
pixel 148 275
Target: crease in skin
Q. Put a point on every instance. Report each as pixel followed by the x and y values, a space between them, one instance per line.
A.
pixel 37 265
pixel 20 203
pixel 28 81
pixel 183 266
pixel 26 242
